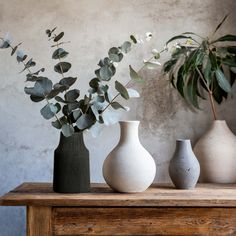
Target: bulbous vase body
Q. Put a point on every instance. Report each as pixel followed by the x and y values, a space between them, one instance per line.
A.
pixel 184 168
pixel 71 165
pixel 129 167
pixel 216 152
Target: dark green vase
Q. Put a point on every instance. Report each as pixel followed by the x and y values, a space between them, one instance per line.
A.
pixel 71 165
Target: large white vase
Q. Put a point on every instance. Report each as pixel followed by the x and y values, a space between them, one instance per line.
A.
pixel 216 152
pixel 129 167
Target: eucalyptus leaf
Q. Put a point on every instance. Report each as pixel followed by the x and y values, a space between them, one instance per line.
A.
pixel 59 53
pixel 58 37
pixel 122 90
pixel 85 121
pixel 134 75
pixel 48 111
pixel 126 47
pixel 105 73
pixel 72 95
pixel 117 105
pixel 115 54
pixel 68 81
pixel 134 40
pixel 62 67
pixel 67 130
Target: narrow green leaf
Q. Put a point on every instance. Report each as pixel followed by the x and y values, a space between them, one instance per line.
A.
pixel 222 21
pixel 117 105
pixel 58 37
pixel 222 81
pixel 228 37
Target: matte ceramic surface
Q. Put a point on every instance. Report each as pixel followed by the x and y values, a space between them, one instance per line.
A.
pixel 129 167
pixel 71 165
pixel 216 152
pixel 184 168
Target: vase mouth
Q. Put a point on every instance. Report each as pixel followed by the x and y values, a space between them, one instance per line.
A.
pixel 129 121
pixel 219 121
pixel 182 140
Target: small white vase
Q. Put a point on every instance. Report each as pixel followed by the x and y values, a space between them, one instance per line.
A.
pixel 129 167
pixel 216 152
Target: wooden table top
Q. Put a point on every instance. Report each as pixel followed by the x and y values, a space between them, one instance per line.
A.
pixel 204 195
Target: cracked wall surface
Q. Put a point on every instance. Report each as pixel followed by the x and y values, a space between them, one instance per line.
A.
pixel 93 26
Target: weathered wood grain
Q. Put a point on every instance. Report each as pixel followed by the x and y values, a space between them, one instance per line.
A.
pixel 205 195
pixel 39 221
pixel 145 221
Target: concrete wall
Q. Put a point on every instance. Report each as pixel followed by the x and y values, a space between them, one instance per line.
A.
pixel 27 141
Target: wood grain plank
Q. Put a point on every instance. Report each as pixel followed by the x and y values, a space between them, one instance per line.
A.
pixel 145 221
pixel 204 195
pixel 39 221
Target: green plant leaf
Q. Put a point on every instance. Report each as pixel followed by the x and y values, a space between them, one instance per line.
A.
pixel 62 67
pixel 134 75
pixel 117 105
pixel 126 47
pixel 115 55
pixel 233 69
pixel 67 130
pixel 229 61
pixel 179 37
pixel 36 98
pixel 59 53
pixel 228 37
pixel 72 95
pixel 58 37
pixel 76 114
pixel 94 83
pixel 222 81
pixel 49 111
pixel 68 81
pixel 134 40
pixel 222 21
pixel 105 73
pixel 41 88
pixel 122 90
pixel 206 67
pixel 85 121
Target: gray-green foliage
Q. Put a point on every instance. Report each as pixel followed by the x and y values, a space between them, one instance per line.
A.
pixel 202 64
pixel 71 112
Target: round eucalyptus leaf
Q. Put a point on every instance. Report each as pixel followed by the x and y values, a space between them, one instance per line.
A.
pixel 59 53
pixel 62 67
pixel 67 130
pixel 68 81
pixel 85 121
pixel 94 83
pixel 126 47
pixel 36 98
pixel 49 111
pixel 105 73
pixel 115 55
pixel 72 95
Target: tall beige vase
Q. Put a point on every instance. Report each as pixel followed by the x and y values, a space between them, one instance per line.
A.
pixel 216 153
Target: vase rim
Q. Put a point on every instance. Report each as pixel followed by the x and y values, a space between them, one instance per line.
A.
pixel 182 140
pixel 129 121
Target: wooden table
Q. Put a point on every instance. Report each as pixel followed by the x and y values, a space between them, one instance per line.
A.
pixel 161 210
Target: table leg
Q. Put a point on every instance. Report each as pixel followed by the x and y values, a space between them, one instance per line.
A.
pixel 39 221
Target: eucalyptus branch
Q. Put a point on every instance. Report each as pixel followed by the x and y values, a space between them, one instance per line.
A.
pixel 127 84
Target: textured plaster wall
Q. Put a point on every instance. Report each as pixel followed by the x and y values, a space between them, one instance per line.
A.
pixel 93 26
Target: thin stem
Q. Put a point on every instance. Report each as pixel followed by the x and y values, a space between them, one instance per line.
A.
pixel 118 94
pixel 210 95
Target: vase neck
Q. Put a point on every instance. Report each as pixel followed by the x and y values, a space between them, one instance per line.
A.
pixel 129 131
pixel 183 145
